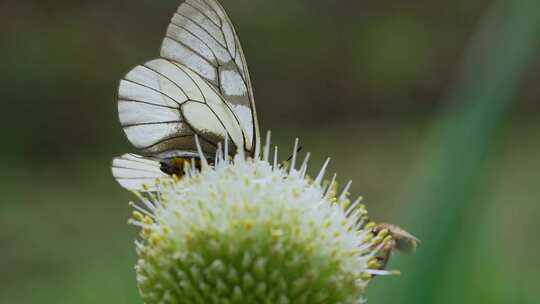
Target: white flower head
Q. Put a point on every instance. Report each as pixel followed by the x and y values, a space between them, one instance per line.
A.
pixel 250 231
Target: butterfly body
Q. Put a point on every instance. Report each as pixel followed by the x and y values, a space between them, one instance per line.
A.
pixel 199 88
pixel 176 166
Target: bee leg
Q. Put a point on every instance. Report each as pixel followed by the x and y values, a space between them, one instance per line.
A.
pixel 384 258
pixel 384 254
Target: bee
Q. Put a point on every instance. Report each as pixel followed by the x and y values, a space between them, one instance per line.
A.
pixel 401 240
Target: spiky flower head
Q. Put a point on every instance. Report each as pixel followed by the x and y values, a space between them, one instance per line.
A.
pixel 250 231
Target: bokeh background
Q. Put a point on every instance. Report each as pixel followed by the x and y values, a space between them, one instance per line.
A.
pixel 431 107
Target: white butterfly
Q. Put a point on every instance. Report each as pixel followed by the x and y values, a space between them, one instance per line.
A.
pixel 199 87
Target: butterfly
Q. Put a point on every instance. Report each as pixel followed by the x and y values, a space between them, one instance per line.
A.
pixel 198 91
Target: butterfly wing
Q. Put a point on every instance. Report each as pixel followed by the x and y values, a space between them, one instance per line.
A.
pixel 201 86
pixel 162 105
pixel 202 37
pixel 133 171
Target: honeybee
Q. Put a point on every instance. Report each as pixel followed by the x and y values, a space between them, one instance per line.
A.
pixel 401 240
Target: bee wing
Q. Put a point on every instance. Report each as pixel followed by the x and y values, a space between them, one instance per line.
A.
pixel 406 243
pixel 133 171
pixel 162 105
pixel 201 37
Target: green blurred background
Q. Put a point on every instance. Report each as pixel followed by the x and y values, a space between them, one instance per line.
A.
pixel 431 107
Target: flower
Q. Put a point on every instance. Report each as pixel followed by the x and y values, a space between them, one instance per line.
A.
pixel 250 231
